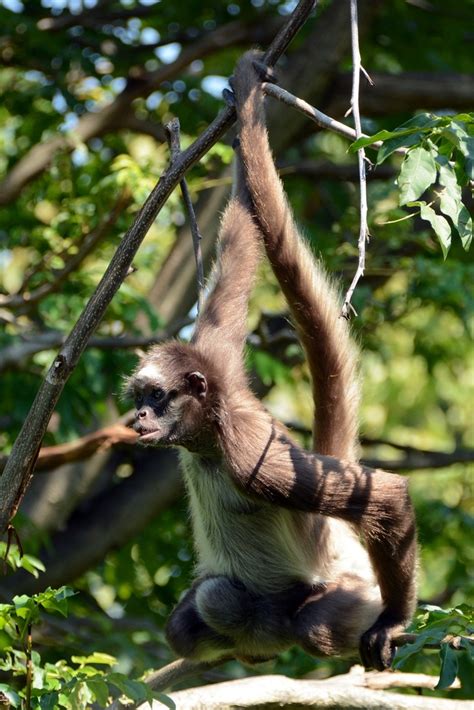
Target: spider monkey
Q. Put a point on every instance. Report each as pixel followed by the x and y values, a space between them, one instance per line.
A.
pixel 277 529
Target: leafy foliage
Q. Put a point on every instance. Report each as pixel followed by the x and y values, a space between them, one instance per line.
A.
pixel 434 626
pixel 415 310
pixel 438 147
pixel 60 684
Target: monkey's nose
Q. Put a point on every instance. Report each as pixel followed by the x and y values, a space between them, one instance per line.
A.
pixel 142 414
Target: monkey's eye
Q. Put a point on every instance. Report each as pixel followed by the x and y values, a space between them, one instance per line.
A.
pixel 157 393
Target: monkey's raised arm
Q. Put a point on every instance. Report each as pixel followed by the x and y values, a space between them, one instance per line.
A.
pixel 313 300
pixel 221 329
pixel 376 502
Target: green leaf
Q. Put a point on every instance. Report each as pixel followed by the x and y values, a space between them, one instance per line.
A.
pixel 440 226
pixel 416 125
pixel 165 700
pixel 408 650
pixel 49 701
pixel 53 605
pixel 134 689
pixel 466 669
pixel 5 640
pixel 13 697
pixel 96 657
pixel 451 204
pixel 417 173
pixel 456 133
pixel 398 142
pixel 100 690
pixel 368 140
pixel 449 667
pixel 32 565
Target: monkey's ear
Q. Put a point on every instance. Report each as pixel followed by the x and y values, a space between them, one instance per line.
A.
pixel 198 384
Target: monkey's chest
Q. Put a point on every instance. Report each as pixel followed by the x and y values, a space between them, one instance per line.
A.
pixel 258 544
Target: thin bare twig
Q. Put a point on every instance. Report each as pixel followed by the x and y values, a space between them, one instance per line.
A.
pixel 173 131
pixel 347 307
pixel 322 119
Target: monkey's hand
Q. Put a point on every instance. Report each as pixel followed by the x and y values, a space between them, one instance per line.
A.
pixel 376 647
pixel 252 60
pixel 264 72
pixel 229 97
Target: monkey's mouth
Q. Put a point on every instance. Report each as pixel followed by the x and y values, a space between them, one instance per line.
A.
pixel 147 436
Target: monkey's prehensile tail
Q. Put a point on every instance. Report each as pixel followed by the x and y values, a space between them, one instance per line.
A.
pixel 312 297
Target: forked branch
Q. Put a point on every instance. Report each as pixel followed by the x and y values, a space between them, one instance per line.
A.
pixel 173 130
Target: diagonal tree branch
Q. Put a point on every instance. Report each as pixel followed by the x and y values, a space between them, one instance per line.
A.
pixel 51 457
pixel 18 471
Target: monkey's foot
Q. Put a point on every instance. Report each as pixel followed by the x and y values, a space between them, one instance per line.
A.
pixel 376 646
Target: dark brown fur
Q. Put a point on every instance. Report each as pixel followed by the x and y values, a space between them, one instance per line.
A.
pixel 312 298
pixel 271 565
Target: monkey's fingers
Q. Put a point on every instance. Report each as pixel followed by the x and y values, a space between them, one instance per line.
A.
pixel 229 97
pixel 265 72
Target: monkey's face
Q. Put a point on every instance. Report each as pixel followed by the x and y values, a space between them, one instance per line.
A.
pixel 170 403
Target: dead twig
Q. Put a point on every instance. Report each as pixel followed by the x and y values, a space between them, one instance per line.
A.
pixel 347 307
pixel 173 130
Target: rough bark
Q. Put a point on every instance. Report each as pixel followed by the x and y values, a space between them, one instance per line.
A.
pixel 338 693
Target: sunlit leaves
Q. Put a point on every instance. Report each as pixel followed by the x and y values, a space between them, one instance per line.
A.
pixel 435 626
pixel 16 560
pixel 451 201
pixel 73 685
pixel 439 149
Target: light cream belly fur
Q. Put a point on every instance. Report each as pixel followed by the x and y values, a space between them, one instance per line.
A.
pixel 260 544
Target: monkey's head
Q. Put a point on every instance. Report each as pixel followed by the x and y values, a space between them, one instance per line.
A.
pixel 173 390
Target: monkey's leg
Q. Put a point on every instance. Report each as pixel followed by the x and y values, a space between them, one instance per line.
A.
pixel 335 615
pixel 261 625
pixel 190 636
